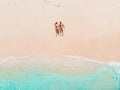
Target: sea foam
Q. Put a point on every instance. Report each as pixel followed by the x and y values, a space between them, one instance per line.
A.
pixel 116 66
pixel 58 73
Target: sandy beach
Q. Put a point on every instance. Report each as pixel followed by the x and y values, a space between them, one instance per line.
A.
pixel 87 57
pixel 92 28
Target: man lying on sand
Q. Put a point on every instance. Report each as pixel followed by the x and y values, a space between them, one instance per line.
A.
pixel 61 27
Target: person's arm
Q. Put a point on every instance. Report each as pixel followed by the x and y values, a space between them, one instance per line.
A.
pixel 63 26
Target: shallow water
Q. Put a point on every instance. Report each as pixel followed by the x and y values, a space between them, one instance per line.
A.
pixel 106 77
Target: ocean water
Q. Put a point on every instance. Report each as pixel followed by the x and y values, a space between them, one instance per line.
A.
pixel 25 74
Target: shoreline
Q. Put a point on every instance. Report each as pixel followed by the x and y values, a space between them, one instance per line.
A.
pixel 65 65
pixel 52 55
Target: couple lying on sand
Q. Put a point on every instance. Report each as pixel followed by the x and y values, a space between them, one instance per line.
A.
pixel 59 28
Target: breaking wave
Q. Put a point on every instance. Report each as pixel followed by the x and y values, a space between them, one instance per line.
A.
pixel 58 73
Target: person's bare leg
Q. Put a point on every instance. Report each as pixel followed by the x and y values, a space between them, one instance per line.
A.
pixel 61 32
pixel 57 32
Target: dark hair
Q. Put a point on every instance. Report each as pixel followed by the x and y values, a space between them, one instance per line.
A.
pixel 55 22
pixel 60 22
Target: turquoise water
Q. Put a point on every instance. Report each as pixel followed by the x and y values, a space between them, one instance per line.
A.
pixel 106 78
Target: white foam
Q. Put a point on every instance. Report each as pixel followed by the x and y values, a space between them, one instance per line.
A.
pixel 68 65
pixel 86 59
pixel 10 59
pixel 78 60
pixel 116 66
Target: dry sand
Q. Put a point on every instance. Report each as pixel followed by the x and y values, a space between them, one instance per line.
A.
pixel 92 28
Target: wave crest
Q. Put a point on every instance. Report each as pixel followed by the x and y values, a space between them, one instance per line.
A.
pixel 115 66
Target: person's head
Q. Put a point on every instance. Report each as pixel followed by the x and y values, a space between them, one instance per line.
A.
pixel 60 22
pixel 55 22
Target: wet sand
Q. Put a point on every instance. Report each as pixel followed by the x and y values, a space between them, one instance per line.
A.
pixel 62 65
